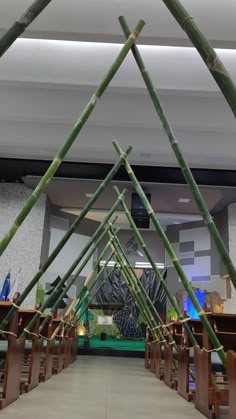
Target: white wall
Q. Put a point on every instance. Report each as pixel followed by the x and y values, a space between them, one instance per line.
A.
pixel 24 251
pixel 69 253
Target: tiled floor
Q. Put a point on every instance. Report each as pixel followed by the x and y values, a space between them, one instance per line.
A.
pixel 102 388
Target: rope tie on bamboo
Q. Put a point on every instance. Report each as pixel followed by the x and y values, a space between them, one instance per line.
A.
pixel 5 332
pixel 123 155
pixel 214 349
pixel 44 337
pixel 171 343
pixel 203 313
pixel 156 328
pixel 133 36
pixel 39 312
pixel 156 340
pixel 16 306
pixel 185 320
pixel 188 348
pixel 121 197
pixel 168 324
pixel 31 333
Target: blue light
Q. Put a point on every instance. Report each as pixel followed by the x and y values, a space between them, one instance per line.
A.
pixel 192 312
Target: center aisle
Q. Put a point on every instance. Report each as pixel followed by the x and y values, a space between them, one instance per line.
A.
pixel 102 388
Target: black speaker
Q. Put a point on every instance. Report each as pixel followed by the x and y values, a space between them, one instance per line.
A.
pixel 139 212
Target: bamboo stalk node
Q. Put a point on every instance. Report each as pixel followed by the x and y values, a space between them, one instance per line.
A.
pixel 214 349
pixel 31 333
pixel 217 66
pixel 133 35
pixel 186 20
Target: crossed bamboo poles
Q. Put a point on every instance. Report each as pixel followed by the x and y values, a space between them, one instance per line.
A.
pixel 31 201
pixel 228 89
pixel 209 56
pixel 187 23
pixel 97 238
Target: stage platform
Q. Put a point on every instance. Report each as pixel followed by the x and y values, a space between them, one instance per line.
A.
pixel 112 347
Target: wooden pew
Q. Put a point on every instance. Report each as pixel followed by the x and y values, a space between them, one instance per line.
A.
pixel 231 372
pixel 59 348
pixel 211 394
pixel 170 360
pixel 46 369
pixel 186 385
pixel 11 373
pixel 32 357
pixel 147 348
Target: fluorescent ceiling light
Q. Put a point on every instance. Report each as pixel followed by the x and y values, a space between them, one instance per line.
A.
pixel 88 195
pixel 184 200
pixel 97 45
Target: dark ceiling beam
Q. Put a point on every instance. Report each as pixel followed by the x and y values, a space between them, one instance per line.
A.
pixel 13 170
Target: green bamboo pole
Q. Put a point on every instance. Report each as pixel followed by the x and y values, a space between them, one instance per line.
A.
pixel 65 238
pixel 158 275
pixel 87 281
pixel 215 342
pixel 208 54
pixel 30 202
pixel 77 317
pixel 93 244
pixel 20 25
pixel 146 300
pixel 140 288
pixel 181 160
pixel 136 294
pixel 85 292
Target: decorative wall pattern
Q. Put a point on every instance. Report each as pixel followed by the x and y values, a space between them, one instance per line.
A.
pixel 24 251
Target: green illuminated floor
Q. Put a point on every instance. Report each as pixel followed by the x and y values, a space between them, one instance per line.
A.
pixel 113 343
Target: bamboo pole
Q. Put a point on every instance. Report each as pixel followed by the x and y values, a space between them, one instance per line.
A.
pixel 31 201
pixel 136 294
pixel 81 298
pixel 93 244
pixel 84 288
pixel 214 340
pixel 77 317
pixel 64 239
pixel 140 288
pixel 181 160
pixel 208 54
pixel 20 25
pixel 158 275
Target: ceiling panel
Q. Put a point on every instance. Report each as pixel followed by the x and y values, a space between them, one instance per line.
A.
pixel 91 17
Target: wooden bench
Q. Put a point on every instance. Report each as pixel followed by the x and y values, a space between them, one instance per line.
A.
pixel 212 389
pixel 14 353
pixel 30 370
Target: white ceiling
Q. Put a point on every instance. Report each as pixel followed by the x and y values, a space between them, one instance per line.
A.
pixel 45 83
pixel 99 19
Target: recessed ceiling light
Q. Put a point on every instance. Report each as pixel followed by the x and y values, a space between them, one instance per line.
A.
pixel 88 195
pixel 184 200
